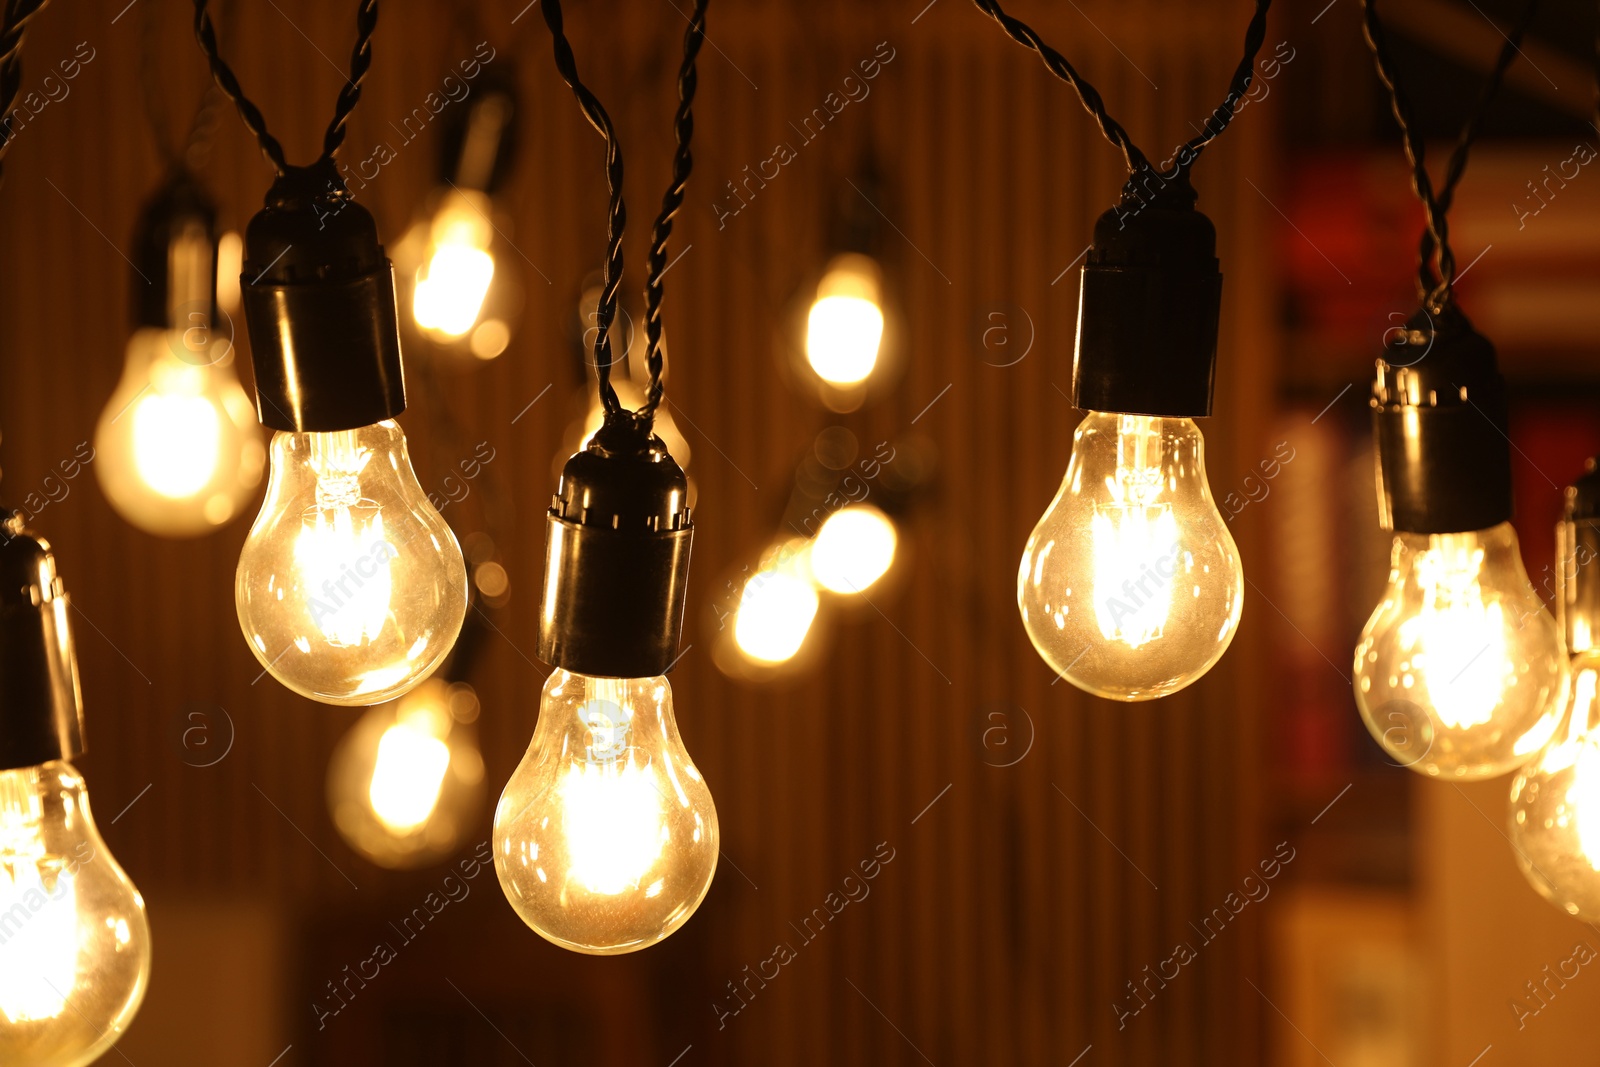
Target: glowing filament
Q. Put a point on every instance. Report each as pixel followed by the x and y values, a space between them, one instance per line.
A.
pixel 1456 642
pixel 341 551
pixel 612 816
pixel 1136 550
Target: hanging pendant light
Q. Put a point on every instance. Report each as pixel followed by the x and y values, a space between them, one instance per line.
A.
pixel 75 950
pixel 351 588
pixel 178 448
pixel 1555 798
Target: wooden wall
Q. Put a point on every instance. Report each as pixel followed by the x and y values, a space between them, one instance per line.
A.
pixel 1020 903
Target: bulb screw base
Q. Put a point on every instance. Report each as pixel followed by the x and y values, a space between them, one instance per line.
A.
pixel 617 558
pixel 1439 423
pixel 319 300
pixel 1578 562
pixel 1149 303
pixel 41 703
pixel 177 208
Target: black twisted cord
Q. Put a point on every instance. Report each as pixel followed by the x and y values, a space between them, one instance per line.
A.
pixel 18 15
pixel 1137 162
pixel 255 122
pixel 1427 280
pixel 1437 270
pixel 1254 35
pixel 682 164
pixel 617 219
pixel 360 63
pixel 1024 35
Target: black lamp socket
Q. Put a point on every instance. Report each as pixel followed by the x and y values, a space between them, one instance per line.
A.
pixel 319 301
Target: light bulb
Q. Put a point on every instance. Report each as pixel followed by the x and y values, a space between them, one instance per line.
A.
pixel 351 589
pixel 1458 668
pixel 853 549
pixel 777 605
pixel 1555 803
pixel 453 282
pixel 605 839
pixel 844 328
pixel 178 451
pixel 74 941
pixel 1130 586
pixel 407 779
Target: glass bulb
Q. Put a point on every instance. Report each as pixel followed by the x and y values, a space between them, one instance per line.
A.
pixel 605 839
pixel 1555 803
pixel 1459 667
pixel 1130 586
pixel 74 942
pixel 351 589
pixel 844 328
pixel 178 451
pixel 407 779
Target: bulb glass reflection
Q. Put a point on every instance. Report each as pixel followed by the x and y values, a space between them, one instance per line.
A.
pixel 1555 803
pixel 1459 667
pixel 844 328
pixel 605 839
pixel 178 451
pixel 407 779
pixel 1130 586
pixel 74 941
pixel 351 589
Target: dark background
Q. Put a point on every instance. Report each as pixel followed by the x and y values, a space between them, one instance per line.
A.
pixel 1037 870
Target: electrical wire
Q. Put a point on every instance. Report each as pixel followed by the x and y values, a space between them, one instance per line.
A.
pixel 255 122
pixel 18 15
pixel 639 421
pixel 617 210
pixel 1436 271
pixel 1137 162
pixel 682 164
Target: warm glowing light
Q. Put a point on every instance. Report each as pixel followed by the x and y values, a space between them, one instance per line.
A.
pixel 1456 640
pixel 39 945
pixel 844 329
pixel 1459 667
pixel 342 553
pixel 605 839
pixel 1555 803
pixel 611 816
pixel 405 783
pixel 776 607
pixel 407 775
pixel 1130 586
pixel 74 943
pixel 175 442
pixel 854 548
pixel 178 450
pixel 454 280
pixel 1136 545
pixel 351 588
